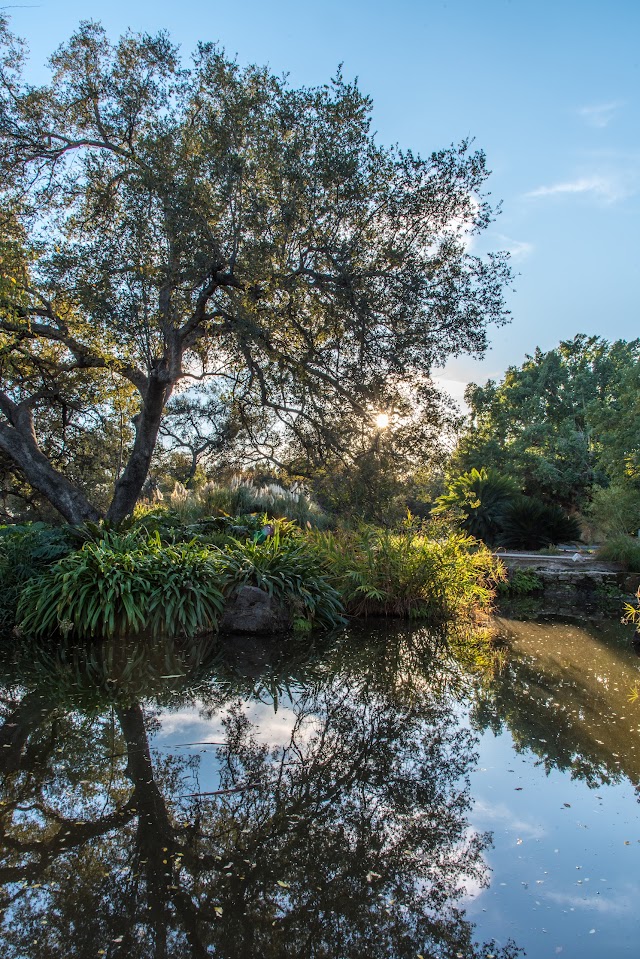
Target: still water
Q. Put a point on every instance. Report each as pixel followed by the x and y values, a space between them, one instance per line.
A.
pixel 372 797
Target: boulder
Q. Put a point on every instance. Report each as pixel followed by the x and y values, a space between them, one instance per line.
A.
pixel 254 611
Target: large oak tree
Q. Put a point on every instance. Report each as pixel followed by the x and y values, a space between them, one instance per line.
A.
pixel 163 223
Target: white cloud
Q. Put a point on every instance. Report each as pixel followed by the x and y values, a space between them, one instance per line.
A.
pixel 607 188
pixel 189 725
pixel 623 904
pixel 454 388
pixel 599 114
pixel 517 249
pixel 501 813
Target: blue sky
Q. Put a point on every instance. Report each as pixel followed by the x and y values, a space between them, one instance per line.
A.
pixel 549 89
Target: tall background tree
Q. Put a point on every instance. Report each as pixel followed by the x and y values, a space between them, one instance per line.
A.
pixel 163 224
pixel 563 425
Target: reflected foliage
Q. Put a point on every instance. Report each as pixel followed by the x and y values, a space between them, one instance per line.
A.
pixel 349 838
pixel 564 703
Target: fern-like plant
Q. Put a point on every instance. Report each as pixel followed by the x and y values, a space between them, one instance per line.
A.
pixel 25 552
pixel 481 497
pixel 409 573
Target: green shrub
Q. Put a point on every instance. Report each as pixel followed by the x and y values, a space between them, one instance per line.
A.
pixel 615 510
pixel 407 573
pixel 528 523
pixel 520 582
pixel 623 550
pixel 122 587
pixel 25 552
pixel 289 568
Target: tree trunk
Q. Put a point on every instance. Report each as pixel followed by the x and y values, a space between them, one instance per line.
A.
pixel 38 471
pixel 192 470
pixel 129 486
pixel 18 727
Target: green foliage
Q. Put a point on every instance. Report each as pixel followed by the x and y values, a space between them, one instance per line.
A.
pixel 147 580
pixel 25 551
pixel 623 550
pixel 291 570
pixel 122 587
pixel 564 421
pixel 528 523
pixel 409 573
pixel 520 582
pixel 490 508
pixel 614 510
pixel 481 497
pixel 208 216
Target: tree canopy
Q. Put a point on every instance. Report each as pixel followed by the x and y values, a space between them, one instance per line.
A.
pixel 562 423
pixel 165 224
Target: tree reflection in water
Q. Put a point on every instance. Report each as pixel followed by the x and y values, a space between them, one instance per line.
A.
pixel 350 840
pixel 563 696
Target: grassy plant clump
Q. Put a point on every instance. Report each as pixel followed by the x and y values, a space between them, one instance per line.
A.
pixel 614 510
pixel 290 569
pixel 121 586
pixel 240 496
pixel 409 573
pixel 623 550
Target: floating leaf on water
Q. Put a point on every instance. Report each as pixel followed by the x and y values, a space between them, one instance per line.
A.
pixel 285 885
pixel 218 910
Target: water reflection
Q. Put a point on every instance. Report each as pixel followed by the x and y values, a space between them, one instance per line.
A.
pixel 350 839
pixel 564 695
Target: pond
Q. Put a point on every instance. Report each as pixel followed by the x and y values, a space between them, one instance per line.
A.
pixel 373 796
